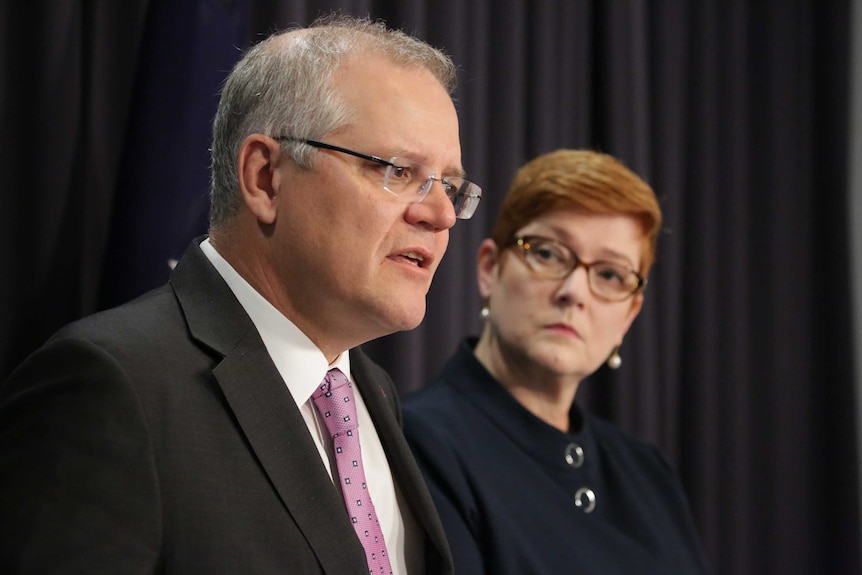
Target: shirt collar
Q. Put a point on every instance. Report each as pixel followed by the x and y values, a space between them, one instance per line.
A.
pixel 301 363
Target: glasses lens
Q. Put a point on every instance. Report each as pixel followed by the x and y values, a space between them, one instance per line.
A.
pixel 409 179
pixel 548 258
pixel 465 196
pixel 612 281
pixel 404 177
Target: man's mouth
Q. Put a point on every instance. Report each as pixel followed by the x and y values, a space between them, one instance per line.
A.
pixel 414 258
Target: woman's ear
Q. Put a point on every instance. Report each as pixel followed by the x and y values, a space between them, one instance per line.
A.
pixel 634 310
pixel 487 269
pixel 257 163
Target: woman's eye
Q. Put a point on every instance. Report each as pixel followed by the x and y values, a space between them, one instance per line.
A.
pixel 547 253
pixel 611 275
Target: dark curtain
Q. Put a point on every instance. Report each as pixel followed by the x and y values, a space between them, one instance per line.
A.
pixel 740 366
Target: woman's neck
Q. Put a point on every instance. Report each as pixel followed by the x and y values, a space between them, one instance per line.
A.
pixel 546 395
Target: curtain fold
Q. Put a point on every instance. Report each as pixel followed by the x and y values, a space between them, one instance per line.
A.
pixel 854 214
pixel 67 72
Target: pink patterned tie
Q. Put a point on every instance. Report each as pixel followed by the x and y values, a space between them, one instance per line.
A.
pixel 334 401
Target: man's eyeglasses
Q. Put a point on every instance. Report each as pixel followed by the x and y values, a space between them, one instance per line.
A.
pixel 552 259
pixel 412 180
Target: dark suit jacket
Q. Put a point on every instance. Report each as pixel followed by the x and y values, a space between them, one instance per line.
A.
pixel 158 437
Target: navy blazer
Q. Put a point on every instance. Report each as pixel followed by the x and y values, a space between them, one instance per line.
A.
pixel 519 497
pixel 158 437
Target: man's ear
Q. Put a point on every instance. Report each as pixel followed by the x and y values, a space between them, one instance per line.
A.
pixel 258 181
pixel 487 270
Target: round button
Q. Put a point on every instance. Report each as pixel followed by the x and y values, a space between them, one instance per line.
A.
pixel 574 455
pixel 585 499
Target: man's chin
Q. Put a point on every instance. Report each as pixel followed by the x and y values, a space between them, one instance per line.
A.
pixel 407 316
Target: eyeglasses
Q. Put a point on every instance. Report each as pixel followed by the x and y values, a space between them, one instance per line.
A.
pixel 550 258
pixel 412 180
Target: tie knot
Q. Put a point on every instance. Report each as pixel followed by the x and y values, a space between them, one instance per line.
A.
pixel 335 403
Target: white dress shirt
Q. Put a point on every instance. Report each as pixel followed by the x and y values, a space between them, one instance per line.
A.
pixel 303 366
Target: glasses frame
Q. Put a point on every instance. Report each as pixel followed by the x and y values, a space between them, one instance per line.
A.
pixel 424 187
pixel 523 242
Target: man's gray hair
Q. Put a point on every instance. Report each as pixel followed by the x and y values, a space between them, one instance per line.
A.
pixel 282 87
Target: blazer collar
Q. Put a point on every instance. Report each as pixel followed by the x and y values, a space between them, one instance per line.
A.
pixel 265 412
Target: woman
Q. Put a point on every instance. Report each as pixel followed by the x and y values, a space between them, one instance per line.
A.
pixel 525 481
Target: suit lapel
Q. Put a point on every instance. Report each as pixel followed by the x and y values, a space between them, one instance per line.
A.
pixel 266 413
pixel 279 437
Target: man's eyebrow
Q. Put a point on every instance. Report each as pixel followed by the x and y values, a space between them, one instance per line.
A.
pixel 458 172
pixel 421 158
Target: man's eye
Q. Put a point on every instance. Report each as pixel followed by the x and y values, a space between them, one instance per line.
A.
pixel 400 173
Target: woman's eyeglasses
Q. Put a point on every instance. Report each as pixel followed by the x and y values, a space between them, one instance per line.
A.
pixel 553 259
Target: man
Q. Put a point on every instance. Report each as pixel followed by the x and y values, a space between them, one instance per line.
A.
pixel 177 433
